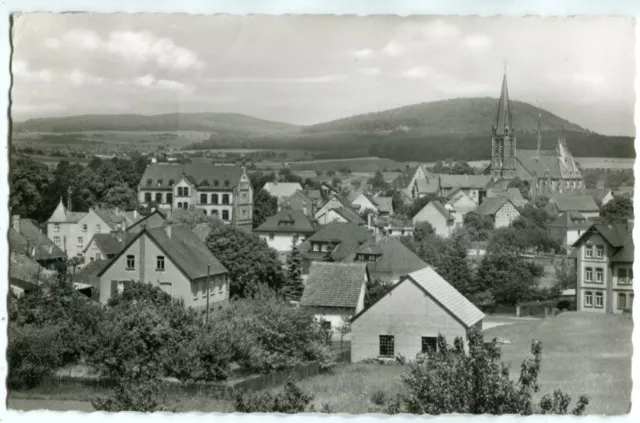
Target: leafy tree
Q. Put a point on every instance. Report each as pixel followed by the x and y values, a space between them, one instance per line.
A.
pixel 120 196
pixel 565 274
pixel 540 201
pixel 523 186
pixel 28 180
pixel 378 182
pixel 192 218
pixel 336 182
pixel 376 289
pixel 422 231
pixel 462 168
pixel 453 265
pixel 293 285
pixel 330 172
pixel 479 227
pixel 452 381
pixel 537 215
pixel 259 179
pixel 509 278
pixel 618 210
pixel 419 203
pixel 590 180
pixel 248 259
pixel 345 327
pixel 264 206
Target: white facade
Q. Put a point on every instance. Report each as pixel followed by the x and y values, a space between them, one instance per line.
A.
pixel 282 242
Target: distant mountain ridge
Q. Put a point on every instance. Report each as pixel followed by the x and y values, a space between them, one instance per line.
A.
pixel 222 123
pixel 454 116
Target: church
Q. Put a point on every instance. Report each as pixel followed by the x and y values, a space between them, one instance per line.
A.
pixel 546 171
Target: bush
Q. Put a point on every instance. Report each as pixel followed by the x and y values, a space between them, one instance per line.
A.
pixel 134 394
pixel 32 353
pixel 292 400
pixel 378 398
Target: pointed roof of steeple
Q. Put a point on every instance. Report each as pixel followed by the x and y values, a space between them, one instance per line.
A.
pixel 59 214
pixel 503 116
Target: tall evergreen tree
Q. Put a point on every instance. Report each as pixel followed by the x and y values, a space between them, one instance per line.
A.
pixel 293 284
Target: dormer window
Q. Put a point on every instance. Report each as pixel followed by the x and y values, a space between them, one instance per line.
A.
pixel 171 181
pixel 204 183
pixel 149 182
pixel 216 183
pixel 159 182
pixel 227 183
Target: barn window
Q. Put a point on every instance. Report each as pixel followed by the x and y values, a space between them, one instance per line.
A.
pixel 131 262
pixel 429 344
pixel 387 346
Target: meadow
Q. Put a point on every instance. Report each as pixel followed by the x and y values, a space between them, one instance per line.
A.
pixel 583 353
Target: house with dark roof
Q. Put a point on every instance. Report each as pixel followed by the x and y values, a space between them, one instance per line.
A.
pixel 512 194
pixel 386 258
pixel 106 246
pixel 219 190
pixel 408 319
pixel 474 185
pixel 560 203
pixel 338 210
pixel 280 230
pixel 604 256
pixel 461 202
pixel 435 213
pixel 155 219
pixel 300 201
pixel 72 231
pixel 568 227
pixel 337 240
pixel 501 210
pixel 25 274
pixel 382 206
pixel 334 290
pixel 414 182
pixel 174 259
pixel 26 238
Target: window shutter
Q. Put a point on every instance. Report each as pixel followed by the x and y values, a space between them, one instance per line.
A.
pixel 114 288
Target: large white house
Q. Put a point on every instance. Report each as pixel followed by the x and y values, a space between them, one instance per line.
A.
pixel 283 227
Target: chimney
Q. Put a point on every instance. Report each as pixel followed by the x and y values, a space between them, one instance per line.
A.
pixel 167 229
pixel 15 221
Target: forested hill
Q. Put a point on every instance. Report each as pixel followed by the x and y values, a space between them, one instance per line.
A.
pixel 216 123
pixel 455 116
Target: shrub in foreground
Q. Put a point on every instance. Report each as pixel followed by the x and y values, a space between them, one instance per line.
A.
pixel 291 400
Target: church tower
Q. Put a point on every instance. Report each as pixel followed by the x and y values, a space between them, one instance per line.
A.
pixel 503 139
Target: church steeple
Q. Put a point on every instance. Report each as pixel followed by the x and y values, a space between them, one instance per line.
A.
pixel 503 116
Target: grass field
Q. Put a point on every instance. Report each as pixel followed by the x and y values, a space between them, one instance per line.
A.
pixel 583 353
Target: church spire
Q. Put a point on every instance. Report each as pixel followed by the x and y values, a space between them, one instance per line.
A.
pixel 539 136
pixel 503 116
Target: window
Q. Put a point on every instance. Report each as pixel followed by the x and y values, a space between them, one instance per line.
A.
pixel 226 183
pixel 386 346
pixel 147 197
pixel 56 227
pixel 98 228
pixel 316 247
pixel 120 287
pixel 599 299
pixel 56 240
pixel 179 191
pixel 326 325
pixel 203 198
pixel 325 247
pixel 599 251
pixel 131 262
pixel 160 263
pixel 622 301
pixel 214 198
pixel 244 195
pixel 599 275
pixel 429 344
pixel 244 213
pixel 588 299
pixel 169 197
pixel 588 274
pixel 79 241
pixel 158 197
pixel 271 236
pixel 225 198
pixel 84 228
pixel 588 251
pixel 216 183
pixel 214 212
pixel 185 191
pixel 225 214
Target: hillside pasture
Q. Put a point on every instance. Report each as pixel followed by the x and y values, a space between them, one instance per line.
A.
pixel 605 163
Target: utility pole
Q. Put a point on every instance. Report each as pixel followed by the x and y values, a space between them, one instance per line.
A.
pixel 208 284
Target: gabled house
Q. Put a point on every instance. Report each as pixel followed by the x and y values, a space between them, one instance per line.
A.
pixel 338 210
pixel 300 201
pixel 174 259
pixel 512 194
pixel 280 229
pixel 438 216
pixel 72 231
pixel 382 206
pixel 409 318
pixel 414 183
pixel 560 203
pixel 216 189
pixel 568 227
pixel 474 185
pixel 155 219
pixel 393 226
pixel 600 195
pixel 605 269
pixel 282 189
pixel 461 201
pixel 25 274
pixel 335 239
pixel 500 209
pixel 387 258
pixel 25 238
pixel 334 290
pixel 106 246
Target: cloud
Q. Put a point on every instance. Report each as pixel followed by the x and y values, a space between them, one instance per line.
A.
pixel 20 70
pixel 370 71
pixel 287 80
pixel 362 54
pixel 150 81
pixel 79 77
pixel 135 46
pixel 393 49
pixel 478 43
pixel 417 72
pixel 440 29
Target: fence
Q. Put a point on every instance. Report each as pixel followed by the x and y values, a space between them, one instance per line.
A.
pixel 538 309
pixel 217 390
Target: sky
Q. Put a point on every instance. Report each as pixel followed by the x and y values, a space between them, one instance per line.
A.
pixel 306 69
